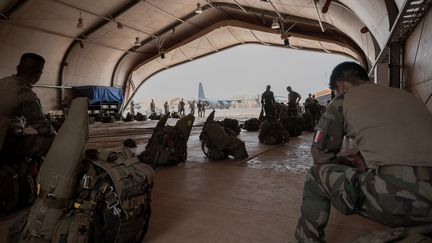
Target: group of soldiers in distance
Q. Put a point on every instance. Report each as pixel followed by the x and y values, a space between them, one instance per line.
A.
pixel 284 120
pixel 181 107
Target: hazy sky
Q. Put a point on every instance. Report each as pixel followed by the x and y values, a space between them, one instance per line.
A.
pixel 244 70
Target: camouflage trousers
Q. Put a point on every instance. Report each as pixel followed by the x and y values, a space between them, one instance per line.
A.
pixel 386 199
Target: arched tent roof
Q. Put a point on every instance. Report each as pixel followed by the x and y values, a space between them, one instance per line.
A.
pixel 104 52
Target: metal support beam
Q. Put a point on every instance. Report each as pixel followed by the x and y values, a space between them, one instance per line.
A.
pixel 15 7
pixel 396 64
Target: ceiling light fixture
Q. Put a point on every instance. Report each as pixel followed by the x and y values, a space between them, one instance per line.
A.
pixel 80 24
pixel 284 36
pixel 198 9
pixel 119 25
pixel 275 24
pixel 137 42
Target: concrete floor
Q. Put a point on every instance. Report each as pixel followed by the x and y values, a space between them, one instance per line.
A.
pixel 253 200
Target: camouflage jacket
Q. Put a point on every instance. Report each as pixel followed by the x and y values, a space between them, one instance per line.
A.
pixel 20 106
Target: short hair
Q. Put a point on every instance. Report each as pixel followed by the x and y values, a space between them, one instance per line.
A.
pixel 351 72
pixel 268 87
pixel 32 56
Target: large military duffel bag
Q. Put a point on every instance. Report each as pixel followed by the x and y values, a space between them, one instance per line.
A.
pixel 273 132
pixel 217 145
pixel 113 203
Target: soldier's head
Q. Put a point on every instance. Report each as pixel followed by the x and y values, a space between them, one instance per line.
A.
pixel 310 95
pixel 289 89
pixel 313 96
pixel 30 67
pixel 268 87
pixel 347 75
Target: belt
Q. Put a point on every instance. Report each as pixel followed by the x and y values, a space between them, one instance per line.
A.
pixel 407 173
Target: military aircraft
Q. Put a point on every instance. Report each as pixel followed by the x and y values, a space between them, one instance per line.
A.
pixel 212 103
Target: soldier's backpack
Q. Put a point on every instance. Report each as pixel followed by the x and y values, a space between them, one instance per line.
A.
pixel 217 145
pixel 252 124
pixel 140 117
pixel 231 126
pixel 168 144
pixel 17 188
pixel 112 203
pixel 273 132
pixel 129 117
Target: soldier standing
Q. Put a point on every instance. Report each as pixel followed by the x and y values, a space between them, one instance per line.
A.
pixel 389 180
pixel 166 107
pixel 268 102
pixel 293 100
pixel 152 106
pixel 132 107
pixel 181 108
pixel 192 107
pixel 200 106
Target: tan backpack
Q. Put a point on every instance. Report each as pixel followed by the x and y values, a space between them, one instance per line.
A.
pixel 113 201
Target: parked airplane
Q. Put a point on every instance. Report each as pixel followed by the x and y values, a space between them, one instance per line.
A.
pixel 211 103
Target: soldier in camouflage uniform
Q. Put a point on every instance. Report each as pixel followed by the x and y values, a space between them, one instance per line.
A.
pixel 390 179
pixel 20 107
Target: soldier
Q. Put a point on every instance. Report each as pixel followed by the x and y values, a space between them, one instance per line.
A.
pixel 192 107
pixel 132 108
pixel 20 107
pixel 182 108
pixel 200 108
pixel 152 106
pixel 268 102
pixel 166 107
pixel 293 100
pixel 389 179
pixel 309 100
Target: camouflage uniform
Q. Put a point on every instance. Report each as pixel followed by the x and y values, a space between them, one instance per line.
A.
pixel 19 107
pixel 395 187
pixel 292 102
pixel 268 101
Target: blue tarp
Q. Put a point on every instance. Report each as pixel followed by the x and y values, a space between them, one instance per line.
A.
pixel 98 94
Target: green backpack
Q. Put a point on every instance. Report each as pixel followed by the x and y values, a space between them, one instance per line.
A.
pixel 113 200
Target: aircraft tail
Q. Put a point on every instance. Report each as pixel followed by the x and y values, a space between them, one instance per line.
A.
pixel 201 95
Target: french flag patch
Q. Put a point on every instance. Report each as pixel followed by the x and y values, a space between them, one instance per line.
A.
pixel 318 136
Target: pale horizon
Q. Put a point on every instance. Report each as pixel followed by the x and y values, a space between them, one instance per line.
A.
pixel 243 70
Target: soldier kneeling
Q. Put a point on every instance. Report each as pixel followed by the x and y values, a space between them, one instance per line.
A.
pixel 390 179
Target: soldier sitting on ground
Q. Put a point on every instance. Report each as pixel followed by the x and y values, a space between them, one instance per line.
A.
pixel 389 180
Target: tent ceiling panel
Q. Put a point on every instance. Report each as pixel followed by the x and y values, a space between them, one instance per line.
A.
pixel 373 13
pixel 99 7
pixel 351 25
pixel 6 4
pixel 15 42
pixel 90 65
